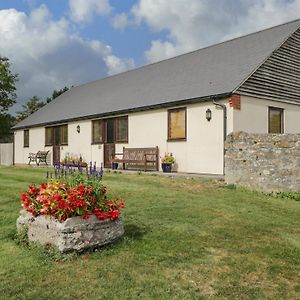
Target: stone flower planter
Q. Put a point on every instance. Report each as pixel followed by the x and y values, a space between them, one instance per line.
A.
pixel 74 234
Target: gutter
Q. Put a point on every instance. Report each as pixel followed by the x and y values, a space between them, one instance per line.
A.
pixel 223 106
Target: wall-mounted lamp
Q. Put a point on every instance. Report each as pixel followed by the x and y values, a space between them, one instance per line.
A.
pixel 208 115
pixel 78 128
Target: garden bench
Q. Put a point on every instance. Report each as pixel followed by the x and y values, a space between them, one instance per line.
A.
pixel 40 156
pixel 138 157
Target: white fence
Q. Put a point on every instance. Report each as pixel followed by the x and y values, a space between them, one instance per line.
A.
pixel 6 154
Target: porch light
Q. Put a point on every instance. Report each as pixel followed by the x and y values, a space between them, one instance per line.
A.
pixel 208 115
pixel 78 128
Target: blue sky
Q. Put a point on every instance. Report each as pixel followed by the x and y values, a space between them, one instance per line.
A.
pixel 57 43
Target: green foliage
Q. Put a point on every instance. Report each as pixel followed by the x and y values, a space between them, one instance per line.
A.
pixel 7 85
pixel 69 159
pixel 287 195
pixel 56 93
pixel 6 122
pixel 31 106
pixel 168 158
pixel 76 178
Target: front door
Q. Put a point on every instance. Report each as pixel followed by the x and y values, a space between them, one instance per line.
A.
pixel 56 145
pixel 109 145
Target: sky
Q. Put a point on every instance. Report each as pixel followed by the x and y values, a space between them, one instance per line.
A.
pixel 57 43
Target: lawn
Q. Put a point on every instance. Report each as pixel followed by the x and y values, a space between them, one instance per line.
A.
pixel 184 239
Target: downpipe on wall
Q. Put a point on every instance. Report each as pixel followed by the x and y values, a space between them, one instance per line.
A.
pixel 224 107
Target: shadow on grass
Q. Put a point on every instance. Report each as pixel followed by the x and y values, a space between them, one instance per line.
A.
pixel 133 232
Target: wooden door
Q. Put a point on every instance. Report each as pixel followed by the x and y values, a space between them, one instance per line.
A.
pixel 56 145
pixel 109 152
pixel 109 145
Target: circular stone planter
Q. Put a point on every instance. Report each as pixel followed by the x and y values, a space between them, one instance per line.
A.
pixel 74 234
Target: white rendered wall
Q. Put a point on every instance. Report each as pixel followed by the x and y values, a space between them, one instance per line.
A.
pixel 202 152
pixel 36 143
pixel 253 115
pixel 78 143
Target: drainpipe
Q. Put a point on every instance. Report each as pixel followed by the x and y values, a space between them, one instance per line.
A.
pixel 14 148
pixel 223 106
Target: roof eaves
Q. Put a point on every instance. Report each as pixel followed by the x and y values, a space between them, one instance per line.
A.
pixel 125 111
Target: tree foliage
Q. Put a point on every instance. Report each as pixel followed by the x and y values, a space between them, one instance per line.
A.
pixel 6 123
pixel 31 106
pixel 56 93
pixel 7 85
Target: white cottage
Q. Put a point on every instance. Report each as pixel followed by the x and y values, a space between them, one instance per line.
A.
pixel 185 105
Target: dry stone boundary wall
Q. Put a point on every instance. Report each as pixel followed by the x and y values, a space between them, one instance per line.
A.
pixel 266 162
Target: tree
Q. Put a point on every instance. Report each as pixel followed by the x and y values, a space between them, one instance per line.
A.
pixel 56 93
pixel 31 106
pixel 6 123
pixel 7 85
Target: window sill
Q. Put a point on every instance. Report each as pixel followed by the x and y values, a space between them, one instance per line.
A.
pixel 97 143
pixel 176 140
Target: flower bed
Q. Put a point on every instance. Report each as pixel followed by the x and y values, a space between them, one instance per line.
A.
pixel 71 211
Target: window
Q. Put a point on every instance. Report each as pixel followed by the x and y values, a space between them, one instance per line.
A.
pixel 26 138
pixel 97 132
pixel 59 134
pixel 177 124
pixel 48 136
pixel 64 135
pixel 122 129
pixel 275 120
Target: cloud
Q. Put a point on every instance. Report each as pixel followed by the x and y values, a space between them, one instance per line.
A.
pixel 197 23
pixel 47 55
pixel 120 21
pixel 160 50
pixel 117 65
pixel 82 11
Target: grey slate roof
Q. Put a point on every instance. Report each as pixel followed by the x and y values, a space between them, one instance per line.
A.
pixel 214 70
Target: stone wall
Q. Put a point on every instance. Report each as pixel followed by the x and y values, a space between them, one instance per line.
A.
pixel 266 162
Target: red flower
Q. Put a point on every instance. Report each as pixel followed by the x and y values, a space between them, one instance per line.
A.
pixel 121 205
pixel 81 188
pixel 23 197
pixel 85 216
pixel 62 201
pixel 43 186
pixel 62 204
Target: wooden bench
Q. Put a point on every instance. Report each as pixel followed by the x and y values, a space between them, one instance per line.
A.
pixel 40 156
pixel 138 157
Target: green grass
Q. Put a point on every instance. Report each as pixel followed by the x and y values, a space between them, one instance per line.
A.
pixel 184 239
